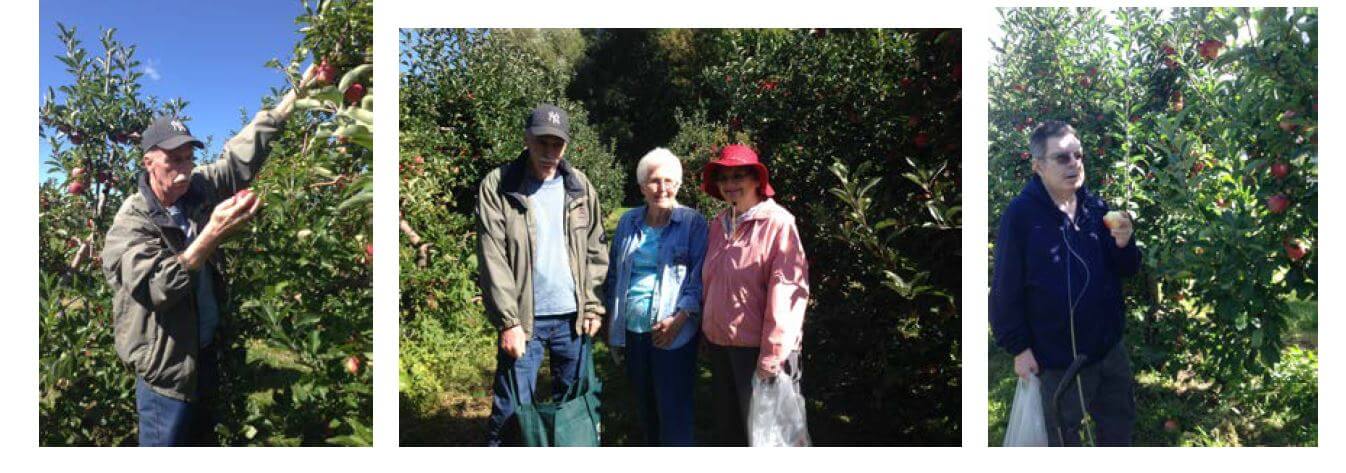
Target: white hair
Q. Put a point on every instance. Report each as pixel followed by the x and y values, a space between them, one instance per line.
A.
pixel 656 157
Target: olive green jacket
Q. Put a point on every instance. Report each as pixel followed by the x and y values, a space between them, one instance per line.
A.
pixel 506 232
pixel 154 295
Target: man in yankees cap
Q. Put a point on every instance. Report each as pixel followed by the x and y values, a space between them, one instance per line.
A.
pixel 160 260
pixel 539 283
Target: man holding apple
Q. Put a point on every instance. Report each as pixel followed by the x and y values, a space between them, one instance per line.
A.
pixel 1056 295
pixel 543 258
pixel 160 259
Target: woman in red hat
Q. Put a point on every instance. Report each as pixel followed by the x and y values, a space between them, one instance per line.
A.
pixel 755 280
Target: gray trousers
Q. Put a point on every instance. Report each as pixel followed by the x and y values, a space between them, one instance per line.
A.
pixel 1108 396
pixel 731 373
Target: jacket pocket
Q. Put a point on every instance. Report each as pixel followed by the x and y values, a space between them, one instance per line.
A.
pixel 133 334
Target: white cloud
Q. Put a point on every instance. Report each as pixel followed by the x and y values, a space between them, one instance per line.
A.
pixel 152 71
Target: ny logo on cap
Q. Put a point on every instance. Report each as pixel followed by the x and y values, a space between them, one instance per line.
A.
pixel 554 117
pixel 177 126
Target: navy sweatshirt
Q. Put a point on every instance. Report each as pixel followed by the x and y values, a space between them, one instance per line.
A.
pixel 1036 278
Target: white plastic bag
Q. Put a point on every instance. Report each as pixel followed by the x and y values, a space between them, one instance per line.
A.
pixel 1027 425
pixel 776 414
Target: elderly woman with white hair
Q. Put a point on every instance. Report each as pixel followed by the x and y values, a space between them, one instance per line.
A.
pixel 654 299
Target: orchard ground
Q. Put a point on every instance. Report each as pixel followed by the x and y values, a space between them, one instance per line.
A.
pixel 1176 410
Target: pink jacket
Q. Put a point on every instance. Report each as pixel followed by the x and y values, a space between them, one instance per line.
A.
pixel 756 284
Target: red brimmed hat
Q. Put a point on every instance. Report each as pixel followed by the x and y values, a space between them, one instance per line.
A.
pixel 734 156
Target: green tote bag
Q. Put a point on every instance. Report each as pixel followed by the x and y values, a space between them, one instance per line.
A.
pixel 572 422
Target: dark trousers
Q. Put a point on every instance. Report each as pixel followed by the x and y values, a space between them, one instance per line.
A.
pixel 168 422
pixel 731 373
pixel 1108 391
pixel 557 335
pixel 662 382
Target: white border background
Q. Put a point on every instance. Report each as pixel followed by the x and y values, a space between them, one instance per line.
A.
pixel 18 286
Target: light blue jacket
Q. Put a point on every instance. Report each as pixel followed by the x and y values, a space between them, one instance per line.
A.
pixel 679 286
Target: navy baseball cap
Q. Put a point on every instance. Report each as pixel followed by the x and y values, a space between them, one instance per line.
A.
pixel 548 119
pixel 168 133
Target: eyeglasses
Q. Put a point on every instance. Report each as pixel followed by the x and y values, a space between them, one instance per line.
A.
pixel 738 176
pixel 1065 158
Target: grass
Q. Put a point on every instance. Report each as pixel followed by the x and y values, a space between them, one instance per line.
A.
pixel 1255 414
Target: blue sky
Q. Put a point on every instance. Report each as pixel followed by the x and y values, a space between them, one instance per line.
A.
pixel 211 54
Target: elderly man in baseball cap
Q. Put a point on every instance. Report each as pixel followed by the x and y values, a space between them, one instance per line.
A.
pixel 160 259
pixel 543 294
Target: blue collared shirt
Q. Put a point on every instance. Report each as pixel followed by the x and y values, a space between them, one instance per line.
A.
pixel 681 250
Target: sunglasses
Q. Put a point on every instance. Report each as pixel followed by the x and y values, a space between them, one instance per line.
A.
pixel 1065 158
pixel 737 176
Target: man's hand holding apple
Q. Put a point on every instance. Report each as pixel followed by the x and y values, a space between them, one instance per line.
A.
pixel 1119 223
pixel 227 218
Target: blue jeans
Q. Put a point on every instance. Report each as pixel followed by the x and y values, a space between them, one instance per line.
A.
pixel 662 382
pixel 558 336
pixel 168 422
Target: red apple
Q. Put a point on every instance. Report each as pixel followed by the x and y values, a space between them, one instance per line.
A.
pixel 76 173
pixel 352 364
pixel 921 140
pixel 326 73
pixel 1210 49
pixel 1295 249
pixel 244 197
pixel 1171 425
pixel 75 188
pixel 1019 87
pixel 1278 203
pixel 1280 170
pixel 369 251
pixel 354 93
